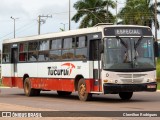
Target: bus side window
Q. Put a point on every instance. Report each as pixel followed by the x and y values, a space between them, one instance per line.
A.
pixel 23 57
pixel 68 48
pixel 6 53
pixel 43 54
pixel 81 48
pixel 23 50
pixel 33 51
pixel 55 49
pixel 33 56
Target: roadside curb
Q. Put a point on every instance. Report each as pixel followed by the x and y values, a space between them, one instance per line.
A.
pixel 5 87
pixel 158 90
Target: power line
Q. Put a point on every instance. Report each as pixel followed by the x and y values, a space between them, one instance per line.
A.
pixel 29 23
pixel 59 13
pixel 6 35
pixel 28 28
pixel 22 27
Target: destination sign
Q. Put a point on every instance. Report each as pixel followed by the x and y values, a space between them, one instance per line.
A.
pixel 127 31
pixel 120 32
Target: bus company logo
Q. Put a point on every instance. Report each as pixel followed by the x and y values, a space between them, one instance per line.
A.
pixel 68 68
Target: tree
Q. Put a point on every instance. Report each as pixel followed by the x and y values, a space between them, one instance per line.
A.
pixel 91 12
pixel 138 12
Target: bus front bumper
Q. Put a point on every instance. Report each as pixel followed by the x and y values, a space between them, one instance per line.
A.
pixel 116 88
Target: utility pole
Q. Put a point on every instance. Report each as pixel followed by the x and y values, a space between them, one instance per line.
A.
pixel 69 15
pixel 14 29
pixel 155 20
pixel 42 21
pixel 116 11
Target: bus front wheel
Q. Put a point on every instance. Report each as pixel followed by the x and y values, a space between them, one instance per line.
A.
pixel 83 95
pixel 125 95
pixel 28 90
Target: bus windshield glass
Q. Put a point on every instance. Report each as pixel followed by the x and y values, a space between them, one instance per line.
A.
pixel 128 53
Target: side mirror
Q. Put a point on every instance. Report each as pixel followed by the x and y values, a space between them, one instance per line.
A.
pixel 156 52
pixel 101 48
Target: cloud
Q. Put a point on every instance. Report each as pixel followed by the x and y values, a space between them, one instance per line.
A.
pixel 31 8
pixel 28 10
pixel 8 9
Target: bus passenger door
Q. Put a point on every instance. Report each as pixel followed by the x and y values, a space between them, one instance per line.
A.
pixel 14 60
pixel 95 59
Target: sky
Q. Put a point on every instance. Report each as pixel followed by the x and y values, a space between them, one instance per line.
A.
pixel 27 12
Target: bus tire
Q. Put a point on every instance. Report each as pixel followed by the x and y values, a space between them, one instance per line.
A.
pixel 125 95
pixel 27 88
pixel 36 92
pixel 83 95
pixel 64 93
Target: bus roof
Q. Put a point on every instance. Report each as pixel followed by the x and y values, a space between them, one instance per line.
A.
pixel 66 33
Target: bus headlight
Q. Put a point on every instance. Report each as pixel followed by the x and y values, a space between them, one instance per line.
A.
pixel 105 81
pixel 151 80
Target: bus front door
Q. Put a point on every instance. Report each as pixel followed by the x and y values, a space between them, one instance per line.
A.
pixel 95 59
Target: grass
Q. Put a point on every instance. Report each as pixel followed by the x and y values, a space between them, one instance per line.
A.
pixel 1 82
pixel 158 68
pixel 158 73
pixel 1 85
pixel 158 87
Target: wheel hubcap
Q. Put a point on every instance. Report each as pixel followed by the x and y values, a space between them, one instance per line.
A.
pixel 82 90
pixel 27 88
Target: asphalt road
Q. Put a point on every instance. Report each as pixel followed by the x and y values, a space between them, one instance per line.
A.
pixel 49 100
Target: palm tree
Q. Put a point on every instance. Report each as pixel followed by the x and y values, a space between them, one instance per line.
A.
pixel 150 13
pixel 91 12
pixel 139 12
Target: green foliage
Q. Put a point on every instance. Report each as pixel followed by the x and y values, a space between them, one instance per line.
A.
pixel 158 87
pixel 0 82
pixel 158 69
pixel 92 12
pixel 138 12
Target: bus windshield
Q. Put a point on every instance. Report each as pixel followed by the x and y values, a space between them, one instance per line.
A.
pixel 128 53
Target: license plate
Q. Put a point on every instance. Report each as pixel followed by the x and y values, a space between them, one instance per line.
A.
pixel 151 86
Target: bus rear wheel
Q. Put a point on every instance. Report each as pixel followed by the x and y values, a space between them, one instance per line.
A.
pixel 28 90
pixel 63 93
pixel 82 93
pixel 125 95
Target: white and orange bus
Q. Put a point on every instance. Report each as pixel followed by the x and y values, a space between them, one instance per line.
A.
pixel 105 59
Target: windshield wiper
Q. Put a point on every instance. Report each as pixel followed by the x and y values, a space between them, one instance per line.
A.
pixel 138 42
pixel 136 54
pixel 136 45
pixel 122 42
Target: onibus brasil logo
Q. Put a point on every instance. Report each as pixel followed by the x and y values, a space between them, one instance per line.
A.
pixel 66 69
